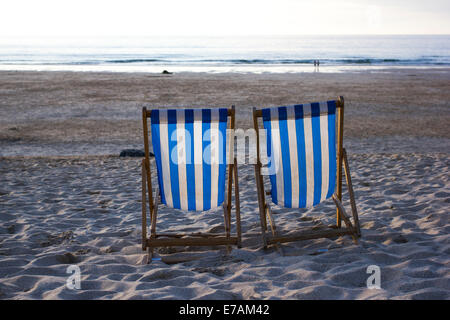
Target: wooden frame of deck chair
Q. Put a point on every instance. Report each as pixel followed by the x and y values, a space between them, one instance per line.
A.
pixel 294 137
pixel 198 192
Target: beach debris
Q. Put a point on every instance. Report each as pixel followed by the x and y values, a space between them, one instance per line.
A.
pixel 133 153
pixel 104 202
pixel 67 258
pixel 400 239
pixel 167 72
pixel 57 239
pixel 111 249
pixel 93 192
pixel 11 229
pixel 83 251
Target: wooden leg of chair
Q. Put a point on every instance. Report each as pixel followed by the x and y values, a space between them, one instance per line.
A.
pixel 273 227
pixel 261 183
pixel 153 217
pixel 237 202
pixel 227 211
pixel 226 223
pixel 225 218
pixel 149 190
pixel 344 217
pixel 271 220
pixel 229 221
pixel 227 205
pixel 261 203
pixel 261 197
pixel 351 193
pixel 144 208
pixel 340 136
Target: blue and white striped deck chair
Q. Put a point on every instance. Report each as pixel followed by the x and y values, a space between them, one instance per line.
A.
pixel 191 151
pixel 304 165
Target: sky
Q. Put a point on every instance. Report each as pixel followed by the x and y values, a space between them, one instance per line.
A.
pixel 220 18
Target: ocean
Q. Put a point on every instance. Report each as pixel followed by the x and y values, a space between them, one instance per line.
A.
pixel 274 54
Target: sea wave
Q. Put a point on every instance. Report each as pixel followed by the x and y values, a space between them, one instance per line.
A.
pixel 438 61
pixel 151 64
pixel 211 53
pixel 337 61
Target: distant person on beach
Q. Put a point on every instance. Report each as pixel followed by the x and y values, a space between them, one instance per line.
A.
pixel 316 65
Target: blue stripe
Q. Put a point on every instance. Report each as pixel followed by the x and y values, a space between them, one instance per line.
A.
pixel 206 134
pixel 156 138
pixel 173 157
pixel 332 146
pixel 271 163
pixel 317 151
pixel 301 154
pixel 285 156
pixel 223 118
pixel 190 165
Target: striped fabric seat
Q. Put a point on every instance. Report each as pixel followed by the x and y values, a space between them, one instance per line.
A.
pixel 190 153
pixel 301 148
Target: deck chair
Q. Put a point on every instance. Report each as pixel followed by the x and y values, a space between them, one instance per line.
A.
pixel 304 168
pixel 191 180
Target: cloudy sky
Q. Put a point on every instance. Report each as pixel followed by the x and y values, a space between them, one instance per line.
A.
pixel 226 17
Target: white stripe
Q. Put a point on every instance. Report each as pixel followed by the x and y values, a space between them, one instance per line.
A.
pixel 165 157
pixel 230 146
pixel 309 151
pixel 181 155
pixel 276 154
pixel 324 149
pixel 214 156
pixel 198 159
pixel 293 156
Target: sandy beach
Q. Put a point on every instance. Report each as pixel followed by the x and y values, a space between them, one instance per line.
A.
pixel 75 113
pixel 66 198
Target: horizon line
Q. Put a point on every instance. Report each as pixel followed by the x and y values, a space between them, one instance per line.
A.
pixel 224 35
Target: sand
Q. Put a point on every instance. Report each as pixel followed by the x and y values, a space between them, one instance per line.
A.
pixel 75 113
pixel 66 199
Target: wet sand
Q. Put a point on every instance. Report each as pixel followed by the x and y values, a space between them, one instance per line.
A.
pixel 75 113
